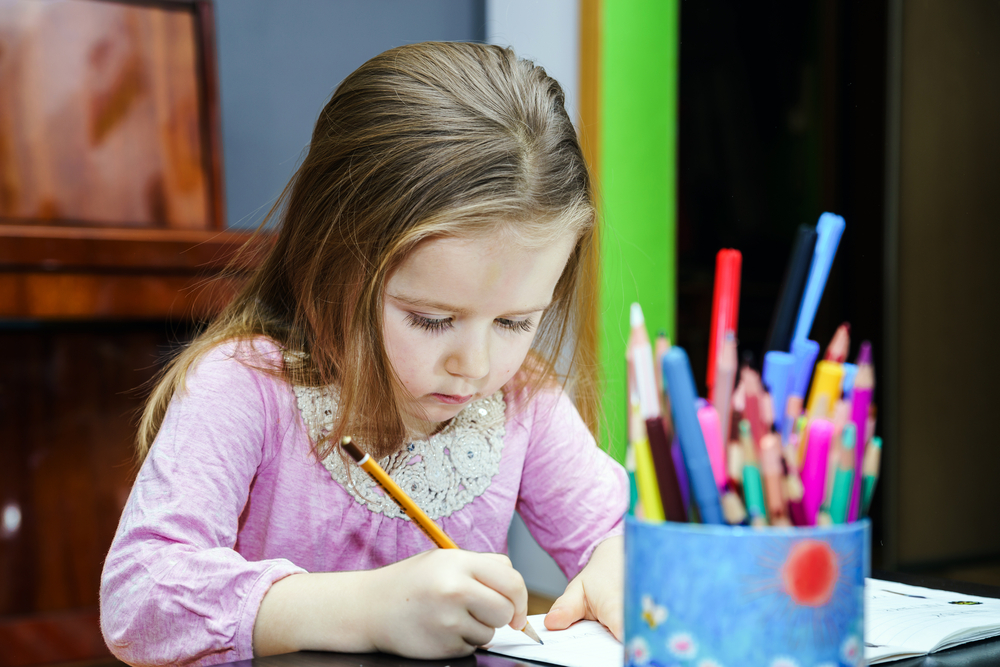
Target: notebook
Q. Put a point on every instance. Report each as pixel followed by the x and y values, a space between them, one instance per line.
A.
pixel 583 644
pixel 903 621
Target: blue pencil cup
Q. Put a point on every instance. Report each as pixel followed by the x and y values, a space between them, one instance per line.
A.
pixel 722 596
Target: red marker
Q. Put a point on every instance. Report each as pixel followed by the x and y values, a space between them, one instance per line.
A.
pixel 725 308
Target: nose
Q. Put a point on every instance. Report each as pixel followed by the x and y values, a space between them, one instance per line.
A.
pixel 470 358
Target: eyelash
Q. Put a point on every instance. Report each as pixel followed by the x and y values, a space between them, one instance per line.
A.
pixel 428 324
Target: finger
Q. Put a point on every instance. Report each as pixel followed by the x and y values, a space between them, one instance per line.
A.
pixel 569 608
pixel 475 633
pixel 490 607
pixel 500 558
pixel 505 580
pixel 612 616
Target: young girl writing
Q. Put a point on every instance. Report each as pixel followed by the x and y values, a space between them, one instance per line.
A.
pixel 425 275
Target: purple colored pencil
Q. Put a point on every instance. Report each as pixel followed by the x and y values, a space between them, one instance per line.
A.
pixel 864 383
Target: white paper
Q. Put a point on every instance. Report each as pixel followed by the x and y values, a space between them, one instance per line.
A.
pixel 583 644
pixel 903 620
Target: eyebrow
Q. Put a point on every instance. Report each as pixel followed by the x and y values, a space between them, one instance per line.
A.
pixel 436 305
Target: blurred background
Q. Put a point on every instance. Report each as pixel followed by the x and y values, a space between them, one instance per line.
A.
pixel 141 142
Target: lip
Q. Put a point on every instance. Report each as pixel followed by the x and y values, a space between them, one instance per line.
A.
pixel 452 399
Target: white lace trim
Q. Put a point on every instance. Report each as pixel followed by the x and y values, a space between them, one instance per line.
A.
pixel 442 474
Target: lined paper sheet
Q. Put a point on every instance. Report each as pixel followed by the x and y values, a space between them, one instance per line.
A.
pixel 583 644
pixel 903 620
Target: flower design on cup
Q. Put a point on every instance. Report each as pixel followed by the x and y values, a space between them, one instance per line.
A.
pixel 652 613
pixel 638 652
pixel 850 650
pixel 682 645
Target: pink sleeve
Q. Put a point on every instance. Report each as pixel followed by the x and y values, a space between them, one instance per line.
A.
pixel 573 495
pixel 174 590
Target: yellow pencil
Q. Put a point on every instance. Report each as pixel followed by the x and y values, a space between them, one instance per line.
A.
pixel 409 508
pixel 645 473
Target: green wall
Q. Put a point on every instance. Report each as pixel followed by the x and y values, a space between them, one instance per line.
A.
pixel 638 174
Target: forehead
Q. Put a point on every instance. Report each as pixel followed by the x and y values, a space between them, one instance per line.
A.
pixel 476 273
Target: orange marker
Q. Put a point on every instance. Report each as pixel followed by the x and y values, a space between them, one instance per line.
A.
pixel 410 508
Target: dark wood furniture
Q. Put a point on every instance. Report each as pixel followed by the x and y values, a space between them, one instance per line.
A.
pixel 112 250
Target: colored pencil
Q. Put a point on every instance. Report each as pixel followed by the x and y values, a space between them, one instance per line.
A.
pixel 864 384
pixel 680 382
pixel 753 485
pixel 640 354
pixel 844 479
pixel 873 457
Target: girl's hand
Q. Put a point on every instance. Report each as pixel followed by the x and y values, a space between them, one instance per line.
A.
pixel 445 602
pixel 441 603
pixel 597 593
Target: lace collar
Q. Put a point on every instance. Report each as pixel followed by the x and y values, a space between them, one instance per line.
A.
pixel 442 474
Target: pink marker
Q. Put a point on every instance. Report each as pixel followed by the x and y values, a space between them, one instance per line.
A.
pixel 820 432
pixel 711 428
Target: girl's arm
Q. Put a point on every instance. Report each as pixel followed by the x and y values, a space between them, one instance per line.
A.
pixel 174 589
pixel 573 497
pixel 596 593
pixel 438 604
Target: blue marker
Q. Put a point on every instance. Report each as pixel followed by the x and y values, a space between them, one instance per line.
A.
pixel 680 385
pixel 804 352
pixel 777 376
pixel 829 229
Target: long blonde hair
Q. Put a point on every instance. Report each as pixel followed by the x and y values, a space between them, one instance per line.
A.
pixel 422 141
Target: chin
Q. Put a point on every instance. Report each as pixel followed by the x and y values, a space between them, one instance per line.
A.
pixel 434 414
pixel 440 413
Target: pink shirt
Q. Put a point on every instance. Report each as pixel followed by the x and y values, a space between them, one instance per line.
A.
pixel 231 499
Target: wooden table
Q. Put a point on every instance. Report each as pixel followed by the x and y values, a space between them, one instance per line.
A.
pixel 978 654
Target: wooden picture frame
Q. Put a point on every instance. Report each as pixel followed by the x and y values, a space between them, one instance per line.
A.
pixel 111 185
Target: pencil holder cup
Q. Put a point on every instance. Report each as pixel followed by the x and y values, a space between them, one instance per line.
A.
pixel 727 596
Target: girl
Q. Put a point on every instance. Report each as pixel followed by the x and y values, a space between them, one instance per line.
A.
pixel 427 270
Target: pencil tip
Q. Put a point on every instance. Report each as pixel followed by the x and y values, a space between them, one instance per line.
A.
pixel 530 631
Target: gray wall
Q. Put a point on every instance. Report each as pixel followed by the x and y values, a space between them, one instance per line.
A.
pixel 546 32
pixel 280 61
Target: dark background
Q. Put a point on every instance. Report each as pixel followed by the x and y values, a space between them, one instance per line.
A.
pixel 782 117
pixel 883 112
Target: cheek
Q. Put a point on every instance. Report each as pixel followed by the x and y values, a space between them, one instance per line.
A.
pixel 412 355
pixel 399 347
pixel 512 357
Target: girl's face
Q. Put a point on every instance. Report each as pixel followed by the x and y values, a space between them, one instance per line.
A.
pixel 460 315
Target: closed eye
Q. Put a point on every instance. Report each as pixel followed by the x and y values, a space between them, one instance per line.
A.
pixel 427 323
pixel 517 326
